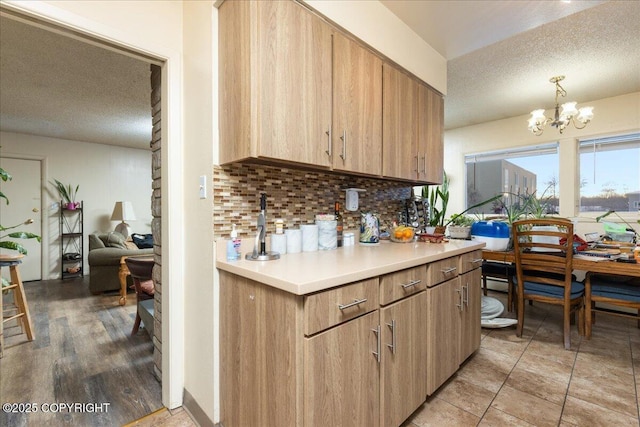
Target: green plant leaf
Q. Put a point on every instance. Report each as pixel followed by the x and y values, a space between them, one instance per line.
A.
pixel 24 235
pixel 13 246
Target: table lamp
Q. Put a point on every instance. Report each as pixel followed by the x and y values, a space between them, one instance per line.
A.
pixel 123 211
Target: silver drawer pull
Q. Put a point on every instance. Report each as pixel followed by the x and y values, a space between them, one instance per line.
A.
pixel 351 304
pixel 411 283
pixel 476 261
pixel 448 270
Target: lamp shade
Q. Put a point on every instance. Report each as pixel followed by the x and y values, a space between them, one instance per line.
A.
pixel 123 211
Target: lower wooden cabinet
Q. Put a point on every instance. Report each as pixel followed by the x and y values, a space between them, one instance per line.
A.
pixel 443 332
pixel 342 357
pixel 403 379
pixel 341 375
pixel 470 315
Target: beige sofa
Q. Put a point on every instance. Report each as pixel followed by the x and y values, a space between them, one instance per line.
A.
pixel 105 252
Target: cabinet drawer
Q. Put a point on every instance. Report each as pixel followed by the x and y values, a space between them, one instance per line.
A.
pixel 398 285
pixel 329 308
pixel 470 261
pixel 445 269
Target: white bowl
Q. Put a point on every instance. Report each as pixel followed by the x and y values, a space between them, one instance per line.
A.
pixel 493 243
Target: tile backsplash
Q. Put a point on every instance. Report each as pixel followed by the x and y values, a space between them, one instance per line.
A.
pixel 295 196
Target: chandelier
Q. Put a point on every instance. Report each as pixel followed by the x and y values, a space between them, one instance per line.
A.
pixel 561 119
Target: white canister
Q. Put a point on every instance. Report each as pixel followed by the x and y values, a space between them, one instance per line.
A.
pixel 349 239
pixel 294 240
pixel 309 237
pixel 327 234
pixel 279 243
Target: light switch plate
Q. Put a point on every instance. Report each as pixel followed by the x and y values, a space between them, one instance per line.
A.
pixel 203 186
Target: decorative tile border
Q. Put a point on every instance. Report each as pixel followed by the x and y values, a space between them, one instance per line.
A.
pixel 295 196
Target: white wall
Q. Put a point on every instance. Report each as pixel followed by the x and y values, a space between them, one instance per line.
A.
pixel 616 115
pixel 373 23
pixel 105 173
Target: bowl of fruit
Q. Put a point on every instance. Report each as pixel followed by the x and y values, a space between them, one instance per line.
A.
pixel 402 234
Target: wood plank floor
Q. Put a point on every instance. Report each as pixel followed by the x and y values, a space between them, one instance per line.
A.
pixel 83 354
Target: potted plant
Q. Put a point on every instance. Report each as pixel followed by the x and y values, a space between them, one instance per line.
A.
pixel 460 224
pixel 68 194
pixel 438 195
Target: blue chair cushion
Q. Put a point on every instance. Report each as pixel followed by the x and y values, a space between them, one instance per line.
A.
pixel 577 289
pixel 615 289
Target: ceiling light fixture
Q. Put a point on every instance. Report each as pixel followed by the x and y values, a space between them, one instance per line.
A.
pixel 561 119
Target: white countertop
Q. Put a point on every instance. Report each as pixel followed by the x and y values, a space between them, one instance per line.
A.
pixel 309 272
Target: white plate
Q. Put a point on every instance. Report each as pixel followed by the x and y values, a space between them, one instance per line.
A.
pixel 499 322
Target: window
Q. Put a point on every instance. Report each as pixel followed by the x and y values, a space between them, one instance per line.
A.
pixel 515 173
pixel 609 174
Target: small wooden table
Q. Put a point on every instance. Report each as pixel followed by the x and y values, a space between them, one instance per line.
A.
pixel 582 264
pixel 123 272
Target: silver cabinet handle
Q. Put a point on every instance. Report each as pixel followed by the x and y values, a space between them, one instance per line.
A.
pixel 377 352
pixel 424 164
pixel 392 346
pixel 411 283
pixel 328 151
pixel 351 304
pixel 459 291
pixel 448 270
pixel 476 261
pixel 344 144
pixel 417 165
pixel 465 292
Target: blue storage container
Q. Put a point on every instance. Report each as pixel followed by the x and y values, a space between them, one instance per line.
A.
pixel 494 233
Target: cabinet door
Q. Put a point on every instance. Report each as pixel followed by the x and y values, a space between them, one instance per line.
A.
pixel 400 130
pixel 292 75
pixel 444 303
pixel 403 386
pixel 471 313
pixel 357 102
pixel 341 376
pixel 430 131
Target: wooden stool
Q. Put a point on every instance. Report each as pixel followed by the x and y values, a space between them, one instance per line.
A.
pixel 19 299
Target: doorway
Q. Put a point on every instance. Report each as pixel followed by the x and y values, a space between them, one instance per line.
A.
pixel 23 192
pixel 169 387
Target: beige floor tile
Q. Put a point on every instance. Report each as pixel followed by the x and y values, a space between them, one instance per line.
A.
pixel 605 373
pixel 466 395
pixel 507 344
pixel 436 412
pixel 545 366
pixel 527 407
pixel 497 418
pixel 551 352
pixel 543 386
pixel 598 391
pixel 484 372
pixel 581 413
pixel 602 357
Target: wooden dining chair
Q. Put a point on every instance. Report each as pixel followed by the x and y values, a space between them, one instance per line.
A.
pixel 543 250
pixel 141 269
pixel 619 291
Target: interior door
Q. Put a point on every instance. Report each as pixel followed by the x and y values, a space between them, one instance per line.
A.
pixel 23 192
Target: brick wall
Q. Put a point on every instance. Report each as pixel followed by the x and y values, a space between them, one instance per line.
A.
pixel 156 144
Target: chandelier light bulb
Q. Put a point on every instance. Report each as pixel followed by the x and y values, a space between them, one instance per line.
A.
pixel 569 109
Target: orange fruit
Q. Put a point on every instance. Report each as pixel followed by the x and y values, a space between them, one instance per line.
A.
pixel 407 233
pixel 397 234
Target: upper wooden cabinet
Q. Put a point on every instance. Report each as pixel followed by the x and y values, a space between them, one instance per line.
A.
pixel 357 108
pixel 400 124
pixel 296 90
pixel 412 128
pixel 275 83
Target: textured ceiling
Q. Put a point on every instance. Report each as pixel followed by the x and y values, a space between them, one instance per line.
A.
pixel 57 86
pixel 501 56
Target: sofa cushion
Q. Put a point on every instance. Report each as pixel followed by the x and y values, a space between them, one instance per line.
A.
pixel 113 240
pixel 95 242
